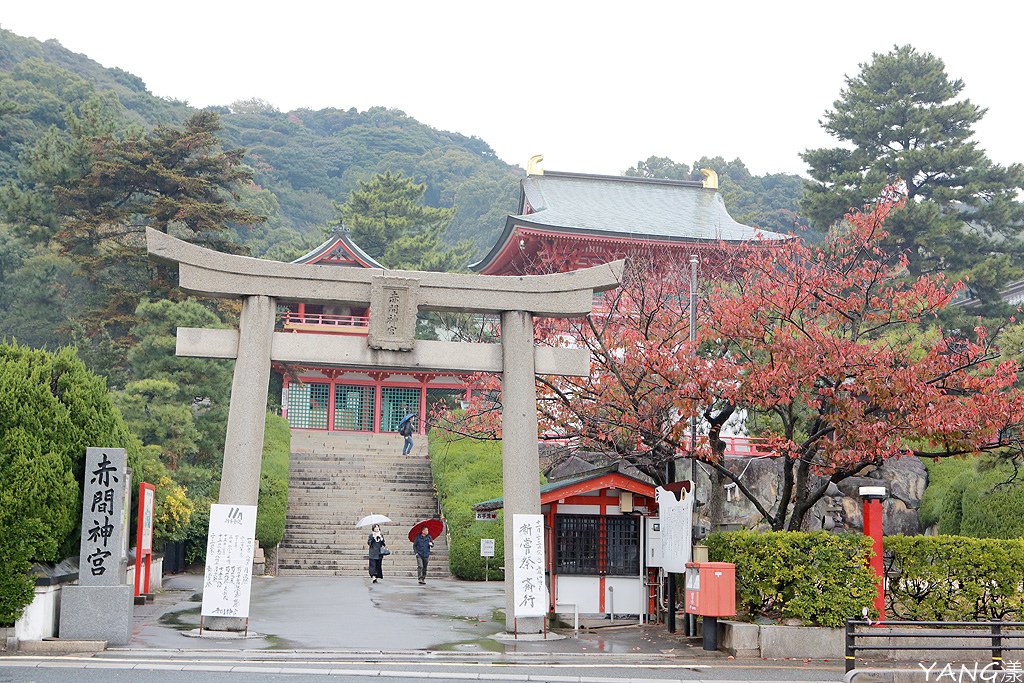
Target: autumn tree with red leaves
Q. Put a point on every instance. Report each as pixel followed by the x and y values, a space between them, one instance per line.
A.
pixel 829 352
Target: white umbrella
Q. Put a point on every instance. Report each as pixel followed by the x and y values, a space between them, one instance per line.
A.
pixel 370 520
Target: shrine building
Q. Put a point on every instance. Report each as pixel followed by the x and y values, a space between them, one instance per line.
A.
pixel 575 220
pixel 338 399
pixel 596 526
pixel 564 221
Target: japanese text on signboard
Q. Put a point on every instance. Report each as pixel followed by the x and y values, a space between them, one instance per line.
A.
pixel 229 550
pixel 528 555
pixel 103 513
pixel 147 520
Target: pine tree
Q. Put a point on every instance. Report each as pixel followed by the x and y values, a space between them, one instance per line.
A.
pixel 904 119
pixel 387 219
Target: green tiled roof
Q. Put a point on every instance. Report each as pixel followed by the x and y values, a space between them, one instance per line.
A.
pixel 620 206
pixel 498 503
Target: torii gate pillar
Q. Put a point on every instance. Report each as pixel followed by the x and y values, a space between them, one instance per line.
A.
pixel 247 416
pixel 520 459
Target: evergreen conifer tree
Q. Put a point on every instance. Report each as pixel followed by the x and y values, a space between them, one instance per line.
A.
pixel 902 118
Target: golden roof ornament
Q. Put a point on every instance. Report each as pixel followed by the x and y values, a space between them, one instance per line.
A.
pixel 533 166
pixel 710 178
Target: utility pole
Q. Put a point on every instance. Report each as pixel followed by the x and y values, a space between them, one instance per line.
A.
pixel 670 466
pixel 691 620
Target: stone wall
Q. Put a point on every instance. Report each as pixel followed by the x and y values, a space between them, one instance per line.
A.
pixel 840 509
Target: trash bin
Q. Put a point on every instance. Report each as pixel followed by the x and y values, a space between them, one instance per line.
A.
pixel 174 557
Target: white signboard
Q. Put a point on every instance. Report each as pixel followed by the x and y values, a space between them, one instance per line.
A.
pixel 528 557
pixel 676 529
pixel 147 520
pixel 486 547
pixel 486 516
pixel 229 550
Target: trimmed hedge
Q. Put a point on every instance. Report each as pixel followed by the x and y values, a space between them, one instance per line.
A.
pixel 953 578
pixel 273 505
pixel 819 577
pixel 204 486
pixel 467 472
pixel 986 501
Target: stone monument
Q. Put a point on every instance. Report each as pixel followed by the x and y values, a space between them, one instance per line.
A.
pixel 100 606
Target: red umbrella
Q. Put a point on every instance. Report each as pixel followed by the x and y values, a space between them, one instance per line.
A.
pixel 434 526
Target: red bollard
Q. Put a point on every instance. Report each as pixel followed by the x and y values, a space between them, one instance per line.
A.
pixel 873 497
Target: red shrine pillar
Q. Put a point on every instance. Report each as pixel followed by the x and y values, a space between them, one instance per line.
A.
pixel 873 497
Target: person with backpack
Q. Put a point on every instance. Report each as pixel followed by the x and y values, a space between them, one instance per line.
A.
pixel 405 429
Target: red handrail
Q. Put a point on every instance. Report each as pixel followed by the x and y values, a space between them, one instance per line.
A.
pixel 293 318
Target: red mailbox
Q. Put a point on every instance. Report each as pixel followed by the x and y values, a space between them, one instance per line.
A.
pixel 711 589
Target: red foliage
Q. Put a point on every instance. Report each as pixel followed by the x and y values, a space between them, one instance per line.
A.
pixel 831 349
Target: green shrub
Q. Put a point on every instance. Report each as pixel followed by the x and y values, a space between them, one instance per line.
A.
pixel 952 578
pixel 197 531
pixel 979 497
pixel 273 505
pixel 819 578
pixel 203 486
pixel 270 514
pixel 941 475
pixel 467 472
pixel 51 409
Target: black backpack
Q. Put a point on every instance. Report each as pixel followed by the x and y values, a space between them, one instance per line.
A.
pixel 406 428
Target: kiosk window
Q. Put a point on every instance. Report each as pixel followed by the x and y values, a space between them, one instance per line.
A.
pixel 591 544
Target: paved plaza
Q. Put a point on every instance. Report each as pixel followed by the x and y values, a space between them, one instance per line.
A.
pixel 351 614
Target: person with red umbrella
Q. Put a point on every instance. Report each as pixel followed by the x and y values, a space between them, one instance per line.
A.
pixel 422 536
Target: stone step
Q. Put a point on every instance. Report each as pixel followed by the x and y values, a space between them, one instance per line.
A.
pixel 399 546
pixel 388 576
pixel 328 531
pixel 360 563
pixel 335 478
pixel 361 570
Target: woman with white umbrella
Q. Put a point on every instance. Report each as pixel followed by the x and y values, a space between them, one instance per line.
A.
pixel 376 544
pixel 378 549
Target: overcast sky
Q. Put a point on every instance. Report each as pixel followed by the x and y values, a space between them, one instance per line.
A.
pixel 592 86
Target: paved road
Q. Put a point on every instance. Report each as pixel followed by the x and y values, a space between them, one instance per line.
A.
pixel 227 669
pixel 349 630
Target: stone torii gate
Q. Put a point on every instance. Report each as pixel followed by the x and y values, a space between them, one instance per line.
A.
pixel 394 297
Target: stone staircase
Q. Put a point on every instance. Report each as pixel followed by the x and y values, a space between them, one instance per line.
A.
pixel 335 479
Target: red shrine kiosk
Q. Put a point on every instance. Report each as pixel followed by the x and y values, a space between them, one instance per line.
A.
pixel 595 532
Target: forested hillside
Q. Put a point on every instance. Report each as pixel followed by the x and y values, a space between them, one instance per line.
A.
pixel 89 159
pixel 302 161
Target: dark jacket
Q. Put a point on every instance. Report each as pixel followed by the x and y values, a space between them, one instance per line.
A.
pixel 422 545
pixel 375 546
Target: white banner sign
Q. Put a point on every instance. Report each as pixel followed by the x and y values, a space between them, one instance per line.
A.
pixel 528 559
pixel 147 520
pixel 229 550
pixel 486 547
pixel 676 529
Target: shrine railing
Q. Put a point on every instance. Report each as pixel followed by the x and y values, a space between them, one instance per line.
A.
pixel 746 446
pixel 294 319
pixel 736 446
